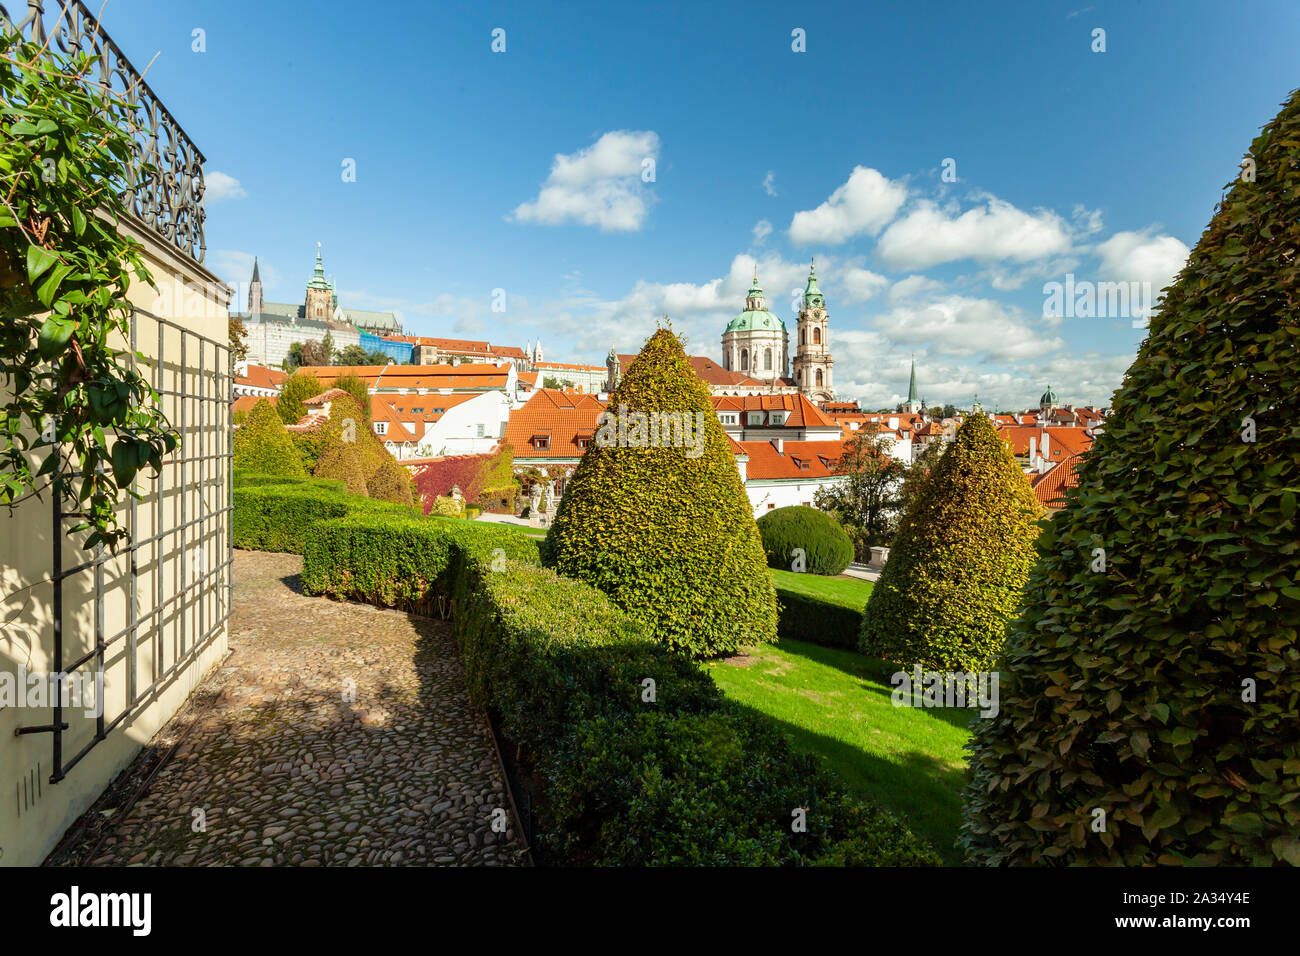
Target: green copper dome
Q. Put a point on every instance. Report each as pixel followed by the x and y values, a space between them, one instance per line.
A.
pixel 755 317
pixel 1049 397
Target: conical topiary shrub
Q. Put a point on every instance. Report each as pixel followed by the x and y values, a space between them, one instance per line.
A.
pixel 667 530
pixel 959 562
pixel 391 482
pixel 349 450
pixel 262 445
pixel 1150 692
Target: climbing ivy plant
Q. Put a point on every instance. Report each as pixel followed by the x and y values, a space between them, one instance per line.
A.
pixel 78 418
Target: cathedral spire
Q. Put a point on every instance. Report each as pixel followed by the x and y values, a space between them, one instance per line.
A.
pixel 911 388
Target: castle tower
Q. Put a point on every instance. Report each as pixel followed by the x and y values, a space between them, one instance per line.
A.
pixel 320 297
pixel 756 343
pixel 812 357
pixel 255 292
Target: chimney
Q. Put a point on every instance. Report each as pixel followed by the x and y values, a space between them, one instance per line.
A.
pixel 893 423
pixel 1033 445
pixel 779 445
pixel 1047 455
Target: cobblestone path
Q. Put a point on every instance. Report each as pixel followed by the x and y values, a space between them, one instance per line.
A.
pixel 286 771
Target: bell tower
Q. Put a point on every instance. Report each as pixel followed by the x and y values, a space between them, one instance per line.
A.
pixel 320 297
pixel 812 358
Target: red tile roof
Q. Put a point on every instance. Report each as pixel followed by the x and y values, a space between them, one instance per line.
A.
pixel 259 376
pixel 1049 487
pixel 563 417
pixel 803 413
pixel 246 403
pixel 1064 441
pixel 797 459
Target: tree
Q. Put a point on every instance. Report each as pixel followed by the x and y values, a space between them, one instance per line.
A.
pixel 262 445
pixel 866 503
pixel 391 482
pixel 959 562
pixel 237 333
pixel 357 355
pixel 799 538
pixel 1149 692
pixel 314 353
pixel 550 381
pixel 661 522
pixel 293 359
pixel 948 411
pixel 293 393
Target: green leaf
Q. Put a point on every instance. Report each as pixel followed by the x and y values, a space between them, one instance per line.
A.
pixel 54 335
pixel 124 462
pixel 38 261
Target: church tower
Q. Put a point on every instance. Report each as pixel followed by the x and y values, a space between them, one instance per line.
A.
pixel 812 357
pixel 755 343
pixel 255 292
pixel 913 405
pixel 320 297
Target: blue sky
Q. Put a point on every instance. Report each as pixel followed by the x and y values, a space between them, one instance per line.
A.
pixel 523 170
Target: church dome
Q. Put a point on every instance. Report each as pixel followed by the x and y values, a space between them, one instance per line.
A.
pixel 755 317
pixel 1049 397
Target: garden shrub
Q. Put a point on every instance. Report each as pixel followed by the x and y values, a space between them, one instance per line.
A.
pixel 718 788
pixel 1162 687
pixel 248 479
pixel 396 559
pixel 671 538
pixel 960 560
pixel 392 482
pixel 262 444
pixel 349 450
pixel 817 620
pixel 827 549
pixel 281 517
pixel 444 508
pixel 300 387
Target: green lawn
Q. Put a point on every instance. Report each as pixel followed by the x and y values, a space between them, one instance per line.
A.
pixel 836 704
pixel 844 590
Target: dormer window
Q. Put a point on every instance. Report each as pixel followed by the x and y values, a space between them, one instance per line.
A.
pixel 542 441
pixel 776 418
pixel 755 418
pixel 381 428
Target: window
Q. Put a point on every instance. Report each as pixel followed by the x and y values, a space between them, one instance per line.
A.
pixel 542 442
pixel 756 418
pixel 776 418
pixel 817 336
pixel 480 431
pixel 381 428
pixel 584 442
pixel 744 360
pixel 767 360
pixel 819 376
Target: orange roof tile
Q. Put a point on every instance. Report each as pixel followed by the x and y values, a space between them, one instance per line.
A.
pixel 562 417
pixel 1049 487
pixel 259 376
pixel 803 413
pixel 797 459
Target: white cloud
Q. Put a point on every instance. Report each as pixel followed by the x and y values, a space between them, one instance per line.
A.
pixel 1142 257
pixel 769 183
pixel 913 287
pixel 929 236
pixel 860 284
pixel 597 186
pixel 218 186
pixel 762 229
pixel 863 205
pixel 959 325
pixel 236 268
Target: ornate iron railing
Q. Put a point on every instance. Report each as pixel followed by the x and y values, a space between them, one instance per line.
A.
pixel 165 180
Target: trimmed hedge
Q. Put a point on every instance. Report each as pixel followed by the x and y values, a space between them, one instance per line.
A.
pixel 280 517
pixel 247 479
pixel 806 618
pixel 398 560
pixel 827 549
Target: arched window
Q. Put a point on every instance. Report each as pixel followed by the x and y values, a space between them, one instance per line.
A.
pixel 819 378
pixel 726 361
pixel 798 377
pixel 744 360
pixel 817 336
pixel 802 334
pixel 767 360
